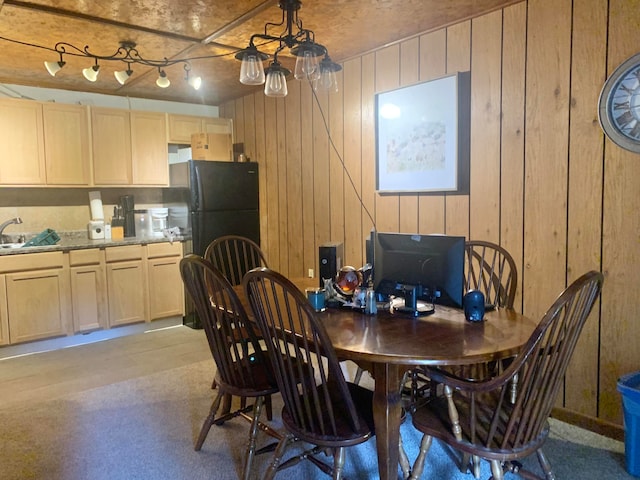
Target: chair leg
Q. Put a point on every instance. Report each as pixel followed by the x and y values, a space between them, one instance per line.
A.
pixel 496 470
pixel 253 433
pixel 338 463
pixel 206 426
pixel 545 465
pixel 403 460
pixel 277 457
pixel 268 407
pixel 418 466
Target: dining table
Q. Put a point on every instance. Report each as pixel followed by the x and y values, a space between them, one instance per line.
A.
pixel 388 344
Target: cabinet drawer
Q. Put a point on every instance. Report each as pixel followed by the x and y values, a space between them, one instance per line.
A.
pixel 31 261
pixel 165 249
pixel 89 256
pixel 119 254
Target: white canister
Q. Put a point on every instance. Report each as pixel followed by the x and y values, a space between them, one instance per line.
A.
pixel 158 220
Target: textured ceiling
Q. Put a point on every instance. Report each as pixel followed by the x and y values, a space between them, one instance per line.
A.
pixel 197 28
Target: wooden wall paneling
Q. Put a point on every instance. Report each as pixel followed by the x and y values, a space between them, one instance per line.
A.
pixel 353 234
pixel 294 204
pixel 249 126
pixel 230 112
pixel 486 65
pixel 433 64
pixel 337 182
pixel 310 251
pixel 321 171
pixel 258 155
pixel 387 77
pixel 458 60
pixel 512 134
pixel 409 74
pixel 283 204
pixel 546 150
pixel 368 145
pixel 271 177
pixel 619 353
pixel 239 115
pixel 588 63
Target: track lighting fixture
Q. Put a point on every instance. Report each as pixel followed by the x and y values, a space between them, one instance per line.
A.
pixel 126 53
pixel 301 42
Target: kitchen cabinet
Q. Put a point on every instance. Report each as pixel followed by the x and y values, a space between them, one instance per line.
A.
pixel 111 146
pixel 166 293
pixel 38 296
pixel 149 149
pixel 181 127
pixel 4 317
pixel 127 289
pixel 88 289
pixel 22 143
pixel 66 144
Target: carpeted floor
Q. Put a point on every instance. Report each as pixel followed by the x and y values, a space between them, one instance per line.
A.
pixel 144 428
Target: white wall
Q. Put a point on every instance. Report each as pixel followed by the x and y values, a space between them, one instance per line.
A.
pixel 100 100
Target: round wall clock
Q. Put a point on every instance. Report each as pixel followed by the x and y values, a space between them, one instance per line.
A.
pixel 619 105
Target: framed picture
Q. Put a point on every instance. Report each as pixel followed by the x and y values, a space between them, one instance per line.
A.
pixel 422 137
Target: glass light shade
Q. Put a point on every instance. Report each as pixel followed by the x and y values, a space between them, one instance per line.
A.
pixel 53 67
pixel 251 70
pixel 327 81
pixel 163 81
pixel 91 73
pixel 195 82
pixel 275 84
pixel 306 66
pixel 122 76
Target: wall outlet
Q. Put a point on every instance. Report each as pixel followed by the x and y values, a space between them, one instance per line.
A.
pixel 310 273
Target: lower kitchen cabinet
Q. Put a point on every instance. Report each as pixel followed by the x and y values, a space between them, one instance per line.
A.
pixel 88 289
pixel 4 318
pixel 166 294
pixel 38 296
pixel 126 285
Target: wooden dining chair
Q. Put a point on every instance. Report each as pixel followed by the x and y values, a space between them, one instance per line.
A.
pixel 243 369
pixel 234 256
pixel 478 417
pixel 319 404
pixel 491 269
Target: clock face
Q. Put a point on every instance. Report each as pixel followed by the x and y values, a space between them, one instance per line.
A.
pixel 619 106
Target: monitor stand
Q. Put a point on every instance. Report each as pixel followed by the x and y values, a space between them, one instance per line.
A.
pixel 411 305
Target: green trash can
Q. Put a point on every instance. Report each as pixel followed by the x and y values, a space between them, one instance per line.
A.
pixel 629 387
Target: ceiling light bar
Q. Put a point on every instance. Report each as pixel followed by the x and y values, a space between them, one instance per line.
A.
pixel 301 42
pixel 126 53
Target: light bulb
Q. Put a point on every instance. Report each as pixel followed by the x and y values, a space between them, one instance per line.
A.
pixel 275 84
pixel 195 82
pixel 251 70
pixel 163 81
pixel 306 66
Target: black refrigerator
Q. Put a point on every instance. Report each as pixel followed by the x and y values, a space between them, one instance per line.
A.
pixel 222 199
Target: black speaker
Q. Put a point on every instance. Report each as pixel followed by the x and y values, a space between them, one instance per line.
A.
pixel 473 302
pixel 330 260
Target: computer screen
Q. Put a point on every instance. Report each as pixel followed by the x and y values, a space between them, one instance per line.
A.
pixel 432 263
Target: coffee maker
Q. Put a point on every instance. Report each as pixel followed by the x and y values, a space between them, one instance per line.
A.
pixel 128 207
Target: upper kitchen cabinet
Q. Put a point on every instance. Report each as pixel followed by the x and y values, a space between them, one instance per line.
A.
pixel 149 148
pixel 181 127
pixel 22 143
pixel 111 133
pixel 67 144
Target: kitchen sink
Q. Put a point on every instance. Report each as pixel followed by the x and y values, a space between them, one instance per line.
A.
pixel 11 245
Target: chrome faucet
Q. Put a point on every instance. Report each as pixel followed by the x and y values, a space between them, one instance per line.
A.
pixel 4 225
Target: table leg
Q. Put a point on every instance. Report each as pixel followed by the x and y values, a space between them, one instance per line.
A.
pixel 387 412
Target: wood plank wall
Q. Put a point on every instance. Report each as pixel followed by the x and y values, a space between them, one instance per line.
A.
pixel 544 182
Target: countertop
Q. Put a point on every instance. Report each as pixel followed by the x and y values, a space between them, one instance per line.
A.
pixel 79 240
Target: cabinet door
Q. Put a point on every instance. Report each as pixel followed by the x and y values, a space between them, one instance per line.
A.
pixel 4 319
pixel 88 291
pixel 217 125
pixel 38 304
pixel 181 127
pixel 111 133
pixel 21 143
pixel 66 142
pixel 150 159
pixel 166 293
pixel 127 292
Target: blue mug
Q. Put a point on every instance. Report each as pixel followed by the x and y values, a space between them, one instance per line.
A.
pixel 474 306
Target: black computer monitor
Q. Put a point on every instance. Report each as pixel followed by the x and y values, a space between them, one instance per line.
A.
pixel 434 264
